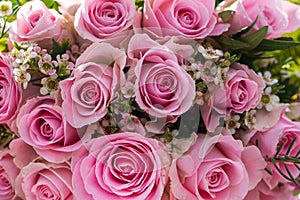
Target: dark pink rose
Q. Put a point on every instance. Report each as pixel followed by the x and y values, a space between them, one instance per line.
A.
pixel 216 167
pixel 163 88
pixel 45 181
pixel 41 125
pixel 35 22
pixel 10 95
pixel 123 165
pixel 23 153
pixel 280 16
pixel 191 19
pixel 88 93
pixel 242 91
pixel 8 174
pixel 284 131
pixel 104 20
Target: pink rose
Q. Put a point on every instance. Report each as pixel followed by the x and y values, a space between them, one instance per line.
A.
pixel 10 94
pixel 102 20
pixel 191 19
pixel 123 165
pixel 23 153
pixel 263 192
pixel 35 22
pixel 8 173
pixel 163 88
pixel 45 181
pixel 242 91
pixel 216 167
pixel 88 93
pixel 41 125
pixel 280 16
pixel 284 131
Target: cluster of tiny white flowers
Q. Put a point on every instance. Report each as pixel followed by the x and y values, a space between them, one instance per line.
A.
pixel 268 99
pixel 21 62
pixel 210 53
pixel 30 59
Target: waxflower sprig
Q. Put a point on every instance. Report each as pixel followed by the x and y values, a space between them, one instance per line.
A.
pixel 40 67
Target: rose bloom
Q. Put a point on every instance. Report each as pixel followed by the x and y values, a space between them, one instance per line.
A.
pixel 163 88
pixel 101 20
pixel 35 22
pixel 191 19
pixel 125 165
pixel 242 91
pixel 216 167
pixel 283 132
pixel 45 181
pixel 280 16
pixel 263 192
pixel 8 173
pixel 10 94
pixel 88 93
pixel 41 124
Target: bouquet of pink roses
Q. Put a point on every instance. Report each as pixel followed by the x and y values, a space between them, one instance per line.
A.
pixel 149 99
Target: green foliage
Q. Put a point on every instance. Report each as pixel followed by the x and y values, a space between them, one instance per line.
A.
pixel 59 48
pixel 285 159
pixel 243 40
pixel 139 4
pixel 276 44
pixel 226 15
pixel 52 4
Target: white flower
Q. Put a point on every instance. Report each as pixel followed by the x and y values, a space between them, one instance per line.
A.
pixel 210 53
pixel 232 123
pixel 5 8
pixel 21 77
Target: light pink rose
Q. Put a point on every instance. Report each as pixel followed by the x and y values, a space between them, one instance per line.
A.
pixel 242 91
pixel 88 93
pixel 216 167
pixel 284 131
pixel 280 16
pixel 35 22
pixel 104 20
pixel 41 125
pixel 191 19
pixel 263 192
pixel 45 181
pixel 8 173
pixel 10 95
pixel 123 165
pixel 163 88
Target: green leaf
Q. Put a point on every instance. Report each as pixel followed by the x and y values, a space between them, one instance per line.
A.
pixel 56 49
pixel 245 30
pixel 52 4
pixel 48 3
pixel 226 15
pixel 232 44
pixel 272 45
pixel 255 38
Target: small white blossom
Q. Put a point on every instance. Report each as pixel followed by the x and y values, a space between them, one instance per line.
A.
pixel 250 118
pixel 5 8
pixel 22 77
pixel 232 123
pixel 210 53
